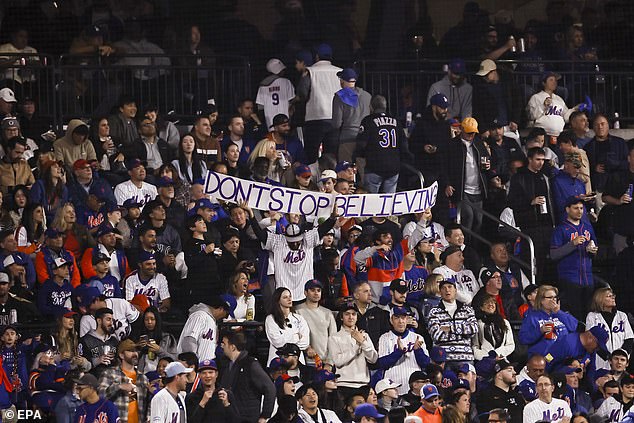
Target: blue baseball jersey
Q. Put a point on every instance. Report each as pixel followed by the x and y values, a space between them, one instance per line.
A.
pixel 415 278
pixel 575 267
pixel 103 411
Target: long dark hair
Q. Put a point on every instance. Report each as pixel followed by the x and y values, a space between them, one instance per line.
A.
pixel 196 161
pixel 53 192
pixel 496 318
pixel 157 333
pixel 33 231
pixel 276 310
pixel 15 190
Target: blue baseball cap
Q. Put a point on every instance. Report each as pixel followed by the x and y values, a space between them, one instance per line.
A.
pixel 104 230
pixel 204 203
pixel 344 165
pixel 313 283
pixel 367 410
pixel 304 56
pixel 438 355
pixel 231 301
pixel 131 203
pixel 303 170
pixel 86 295
pixel 348 75
pixel 457 66
pixel 145 256
pixel 278 363
pixel 207 364
pixel 602 337
pixel 439 100
pixel 399 311
pixel 283 378
pixel 429 391
pixel 322 376
pixel 52 233
pixel 567 370
pixel 165 182
pixel 324 51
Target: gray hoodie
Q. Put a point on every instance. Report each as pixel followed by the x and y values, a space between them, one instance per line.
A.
pixel 459 96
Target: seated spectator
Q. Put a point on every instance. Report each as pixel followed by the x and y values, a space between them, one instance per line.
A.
pixel 491 280
pixel 181 186
pixel 284 326
pixel 289 145
pixel 53 249
pixel 29 234
pixel 535 367
pixel 52 296
pixel 309 406
pixel 14 170
pixel 494 331
pixel 546 109
pixel 44 380
pixel 99 345
pixel 546 322
pixel 136 187
pixel 17 75
pixel 604 313
pixel 320 320
pixel 231 153
pixel 109 154
pixel 430 408
pixel 453 271
pixel 9 247
pixel 147 281
pixel 556 410
pixel 152 149
pixel 457 91
pixel 153 342
pixel 577 346
pixel 537 138
pixel 336 288
pixel 502 393
pixel 166 129
pixel 513 277
pixel 135 44
pixel 245 301
pixel 124 314
pixel 74 145
pixel 190 164
pixel 421 260
pixel 237 135
pixel 386 391
pixel 455 237
pixel 123 127
pixel 76 238
pixel 615 407
pixel 50 189
pixel 71 401
pixel 85 182
pixel 175 213
pixel 423 225
pixel 233 257
pixel 452 325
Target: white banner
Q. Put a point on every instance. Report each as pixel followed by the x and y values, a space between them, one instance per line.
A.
pixel 263 196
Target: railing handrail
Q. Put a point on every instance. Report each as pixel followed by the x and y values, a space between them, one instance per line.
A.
pixel 531 245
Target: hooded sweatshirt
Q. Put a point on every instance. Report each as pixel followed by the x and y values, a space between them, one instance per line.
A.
pixel 200 333
pixel 69 152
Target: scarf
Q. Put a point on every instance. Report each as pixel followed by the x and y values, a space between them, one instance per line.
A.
pixel 349 96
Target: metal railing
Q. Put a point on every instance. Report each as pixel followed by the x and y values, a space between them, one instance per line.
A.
pixel 532 267
pixel 405 84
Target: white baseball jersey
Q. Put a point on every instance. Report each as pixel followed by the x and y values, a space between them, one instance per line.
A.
pixel 293 268
pixel 554 412
pixel 407 364
pixel 618 332
pixel 611 410
pixel 202 327
pixel 126 190
pixel 156 289
pixel 467 284
pixel 165 409
pixel 275 98
pixel 124 315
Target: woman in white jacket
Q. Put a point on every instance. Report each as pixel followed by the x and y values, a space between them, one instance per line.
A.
pixel 546 109
pixel 284 326
pixel 494 331
pixel 351 350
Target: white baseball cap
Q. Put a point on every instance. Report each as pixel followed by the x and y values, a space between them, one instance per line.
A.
pixel 8 95
pixel 327 174
pixel 176 368
pixel 275 66
pixel 385 384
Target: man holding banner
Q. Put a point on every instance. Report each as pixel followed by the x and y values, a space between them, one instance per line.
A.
pixel 292 253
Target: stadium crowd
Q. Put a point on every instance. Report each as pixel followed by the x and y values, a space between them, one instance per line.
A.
pixel 106 233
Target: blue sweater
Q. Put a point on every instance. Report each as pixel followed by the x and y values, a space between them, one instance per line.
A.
pixel 531 335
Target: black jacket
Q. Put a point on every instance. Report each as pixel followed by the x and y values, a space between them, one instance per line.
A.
pixel 248 382
pixel 434 132
pixel 453 172
pixel 485 105
pixel 521 192
pixel 213 411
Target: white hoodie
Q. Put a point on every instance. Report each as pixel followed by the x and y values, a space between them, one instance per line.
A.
pixel 552 118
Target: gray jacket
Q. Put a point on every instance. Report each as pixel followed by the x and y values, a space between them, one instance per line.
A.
pixel 347 119
pixel 459 96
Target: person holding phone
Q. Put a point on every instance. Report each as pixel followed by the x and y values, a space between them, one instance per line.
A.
pixel 210 401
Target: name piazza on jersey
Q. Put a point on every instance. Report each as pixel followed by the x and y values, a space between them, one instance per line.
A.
pixel 384 121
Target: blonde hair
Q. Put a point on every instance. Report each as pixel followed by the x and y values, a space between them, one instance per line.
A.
pixel 431 284
pixel 540 295
pixel 58 221
pixel 259 150
pixel 598 297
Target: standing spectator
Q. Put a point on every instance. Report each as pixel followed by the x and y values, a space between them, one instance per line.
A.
pixel 70 402
pixel 125 386
pixel 401 350
pixel 351 351
pixel 453 270
pixel 94 407
pixel 284 326
pixel 320 320
pixel 618 194
pixel 124 316
pixel 530 198
pixel 74 145
pixel 252 388
pixel 136 187
pixel 350 105
pixel 147 281
pixel 567 184
pixel 545 322
pixel 608 154
pixel 237 135
pixel 381 141
pixel 324 83
pixel 253 127
pixel 99 345
pixel 465 174
pixel 603 312
pixel 206 146
pixel 275 92
pixel 495 96
pixel 456 91
pixel 210 401
pixel 573 247
pixel 546 109
pixel 494 286
pixel 371 318
pixel 200 333
pixel 452 325
pixel 14 170
pixel 154 343
pixel 168 405
pixel 502 393
pixel 545 407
